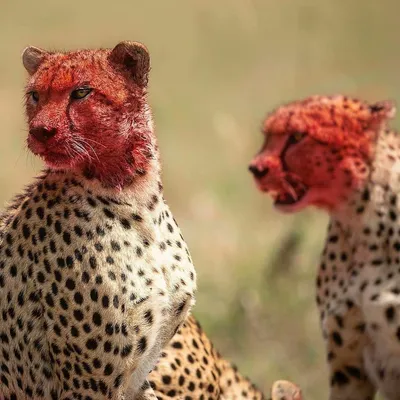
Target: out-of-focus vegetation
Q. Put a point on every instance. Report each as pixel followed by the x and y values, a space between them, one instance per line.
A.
pixel 218 67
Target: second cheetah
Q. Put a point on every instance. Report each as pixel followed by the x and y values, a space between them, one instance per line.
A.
pixel 338 153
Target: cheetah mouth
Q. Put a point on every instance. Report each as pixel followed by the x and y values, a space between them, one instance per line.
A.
pixel 293 192
pixel 56 159
pixel 47 155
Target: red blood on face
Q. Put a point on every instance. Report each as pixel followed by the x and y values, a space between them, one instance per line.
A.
pixel 87 111
pixel 318 150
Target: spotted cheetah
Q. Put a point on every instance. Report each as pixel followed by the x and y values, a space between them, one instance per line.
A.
pixel 338 153
pixel 95 276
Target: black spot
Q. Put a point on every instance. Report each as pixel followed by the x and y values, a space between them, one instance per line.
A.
pixel 96 318
pixel 126 350
pixel 58 227
pixel 42 234
pixel 67 238
pixel 78 230
pixel 94 295
pixel 26 231
pixel 333 239
pixel 142 345
pixel 390 313
pixel 109 329
pixel 85 277
pixel 63 304
pixel 70 284
pixel 365 195
pixel 108 213
pixel 137 218
pixel 125 223
pixel 91 344
pixel 353 371
pixel 98 246
pixel 337 338
pixel 180 308
pixel 78 315
pixel 100 231
pixel 105 301
pixel 108 369
pixel 148 317
pixel 118 381
pixel 340 379
pixel 91 202
pixel 13 270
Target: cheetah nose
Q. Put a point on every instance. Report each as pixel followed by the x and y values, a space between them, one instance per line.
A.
pixel 43 134
pixel 258 172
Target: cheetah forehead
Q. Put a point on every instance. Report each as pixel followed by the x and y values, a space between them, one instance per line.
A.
pixel 58 70
pixel 63 71
pixel 334 114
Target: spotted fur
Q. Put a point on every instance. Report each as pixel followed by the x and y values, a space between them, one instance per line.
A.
pixel 190 368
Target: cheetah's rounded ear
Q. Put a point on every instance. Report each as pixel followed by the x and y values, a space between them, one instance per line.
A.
pixel 32 57
pixel 383 110
pixel 133 57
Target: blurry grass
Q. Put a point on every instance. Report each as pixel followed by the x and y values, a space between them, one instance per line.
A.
pixel 218 67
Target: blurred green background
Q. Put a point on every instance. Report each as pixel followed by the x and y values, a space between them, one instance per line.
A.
pixel 218 67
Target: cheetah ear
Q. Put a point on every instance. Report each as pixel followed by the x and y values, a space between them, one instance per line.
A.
pixel 32 57
pixel 382 110
pixel 133 57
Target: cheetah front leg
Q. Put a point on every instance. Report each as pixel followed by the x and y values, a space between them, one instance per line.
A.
pixel 158 327
pixel 346 341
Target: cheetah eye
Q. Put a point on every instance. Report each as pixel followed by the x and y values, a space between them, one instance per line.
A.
pixel 297 136
pixel 80 93
pixel 34 96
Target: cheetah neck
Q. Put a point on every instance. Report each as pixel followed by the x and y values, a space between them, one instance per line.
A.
pixel 139 190
pixel 378 196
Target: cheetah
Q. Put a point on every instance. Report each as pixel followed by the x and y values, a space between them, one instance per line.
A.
pixel 95 276
pixel 190 368
pixel 338 153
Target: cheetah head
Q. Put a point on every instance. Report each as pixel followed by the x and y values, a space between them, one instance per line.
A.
pixel 318 150
pixel 87 110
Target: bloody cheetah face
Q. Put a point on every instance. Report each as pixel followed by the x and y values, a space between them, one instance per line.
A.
pixel 87 109
pixel 317 151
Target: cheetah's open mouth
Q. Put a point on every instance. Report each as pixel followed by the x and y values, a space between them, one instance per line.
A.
pixel 293 191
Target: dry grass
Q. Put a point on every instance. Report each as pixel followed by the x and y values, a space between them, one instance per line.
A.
pixel 218 66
